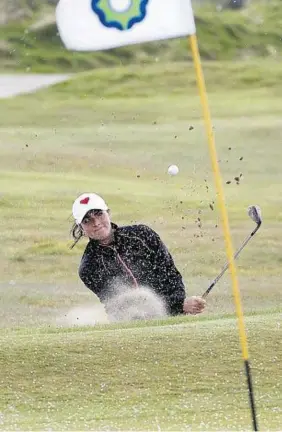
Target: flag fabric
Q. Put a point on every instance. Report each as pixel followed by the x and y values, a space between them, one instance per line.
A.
pixel 92 25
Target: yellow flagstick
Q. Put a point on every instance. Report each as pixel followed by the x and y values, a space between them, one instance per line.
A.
pixel 224 216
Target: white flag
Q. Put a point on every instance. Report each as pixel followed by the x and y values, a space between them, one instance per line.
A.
pixel 91 25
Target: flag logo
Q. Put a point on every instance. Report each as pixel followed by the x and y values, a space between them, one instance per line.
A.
pixel 122 20
pixel 93 25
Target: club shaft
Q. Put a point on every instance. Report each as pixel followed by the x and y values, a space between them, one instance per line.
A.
pixel 246 241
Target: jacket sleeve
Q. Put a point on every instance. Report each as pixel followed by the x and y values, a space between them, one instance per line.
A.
pixel 171 285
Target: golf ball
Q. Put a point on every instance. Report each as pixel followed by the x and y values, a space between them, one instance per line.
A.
pixel 173 170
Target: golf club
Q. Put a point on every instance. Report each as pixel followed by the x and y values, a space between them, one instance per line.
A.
pixel 254 213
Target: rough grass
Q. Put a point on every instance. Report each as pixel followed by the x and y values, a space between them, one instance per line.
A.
pixel 169 79
pixel 34 45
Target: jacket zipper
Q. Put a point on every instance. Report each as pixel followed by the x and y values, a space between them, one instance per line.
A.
pixel 126 268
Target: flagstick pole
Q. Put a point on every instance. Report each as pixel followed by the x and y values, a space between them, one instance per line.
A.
pixel 224 216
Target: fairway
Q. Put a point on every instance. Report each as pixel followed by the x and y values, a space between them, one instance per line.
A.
pixel 182 373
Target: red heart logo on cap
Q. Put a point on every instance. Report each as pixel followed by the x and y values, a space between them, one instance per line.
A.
pixel 85 200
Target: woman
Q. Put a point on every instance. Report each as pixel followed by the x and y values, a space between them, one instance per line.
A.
pixel 133 256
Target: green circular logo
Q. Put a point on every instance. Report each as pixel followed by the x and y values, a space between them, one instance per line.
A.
pixel 122 20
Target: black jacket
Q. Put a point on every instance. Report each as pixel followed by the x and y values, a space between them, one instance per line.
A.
pixel 137 256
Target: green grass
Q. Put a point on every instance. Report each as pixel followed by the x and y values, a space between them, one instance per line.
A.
pixel 169 79
pixel 94 134
pixel 35 46
pixel 178 375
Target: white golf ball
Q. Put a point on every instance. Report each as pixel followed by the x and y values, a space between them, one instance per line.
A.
pixel 173 170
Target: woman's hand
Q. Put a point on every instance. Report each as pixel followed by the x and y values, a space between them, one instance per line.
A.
pixel 194 305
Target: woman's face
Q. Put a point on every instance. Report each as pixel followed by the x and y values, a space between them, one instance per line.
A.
pixel 96 225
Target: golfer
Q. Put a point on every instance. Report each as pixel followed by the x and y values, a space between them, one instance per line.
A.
pixel 131 255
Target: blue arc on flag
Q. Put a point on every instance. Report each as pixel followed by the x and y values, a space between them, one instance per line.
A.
pixel 120 20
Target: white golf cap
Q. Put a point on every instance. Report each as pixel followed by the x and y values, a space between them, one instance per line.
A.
pixel 86 202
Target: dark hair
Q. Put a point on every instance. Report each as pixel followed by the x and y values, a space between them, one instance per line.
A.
pixel 77 233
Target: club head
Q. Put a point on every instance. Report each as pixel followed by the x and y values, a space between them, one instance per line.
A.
pixel 255 214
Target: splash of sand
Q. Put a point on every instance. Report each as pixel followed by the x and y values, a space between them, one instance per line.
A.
pixel 130 304
pixel 84 315
pixel 127 304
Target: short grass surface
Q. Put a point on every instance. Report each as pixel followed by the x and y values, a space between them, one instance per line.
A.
pixel 176 375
